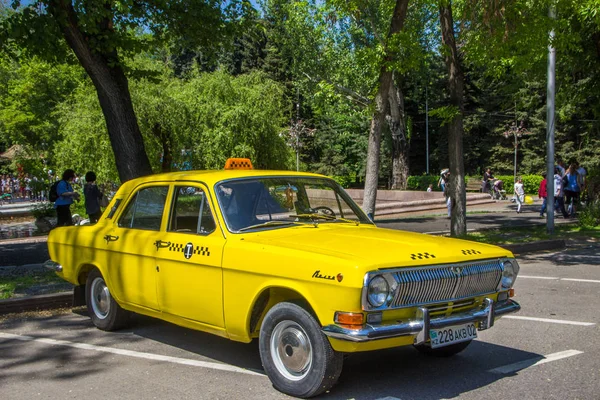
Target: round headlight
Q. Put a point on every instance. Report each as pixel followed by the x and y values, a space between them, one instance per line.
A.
pixel 378 291
pixel 509 273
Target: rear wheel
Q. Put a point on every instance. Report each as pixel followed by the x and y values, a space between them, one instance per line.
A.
pixel 104 311
pixel 446 351
pixel 296 354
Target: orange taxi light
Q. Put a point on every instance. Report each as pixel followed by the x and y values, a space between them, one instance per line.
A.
pixel 238 163
pixel 511 293
pixel 348 318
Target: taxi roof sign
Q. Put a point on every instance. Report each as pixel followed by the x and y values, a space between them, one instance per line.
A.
pixel 238 163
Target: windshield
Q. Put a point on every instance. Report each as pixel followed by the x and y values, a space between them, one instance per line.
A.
pixel 275 203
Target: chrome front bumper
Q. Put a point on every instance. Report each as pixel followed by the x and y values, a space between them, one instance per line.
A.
pixel 54 266
pixel 421 325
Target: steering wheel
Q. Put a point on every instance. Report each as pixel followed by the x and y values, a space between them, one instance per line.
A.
pixel 324 210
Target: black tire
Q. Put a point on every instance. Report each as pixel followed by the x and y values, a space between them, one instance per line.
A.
pixel 446 351
pixel 289 330
pixel 104 311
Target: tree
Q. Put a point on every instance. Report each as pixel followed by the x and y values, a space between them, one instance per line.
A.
pixel 379 113
pixel 457 188
pixel 101 34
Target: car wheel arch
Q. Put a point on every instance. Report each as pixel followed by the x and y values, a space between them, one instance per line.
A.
pixel 268 298
pixel 84 271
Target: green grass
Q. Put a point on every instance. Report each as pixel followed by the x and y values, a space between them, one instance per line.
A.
pixel 532 234
pixel 10 285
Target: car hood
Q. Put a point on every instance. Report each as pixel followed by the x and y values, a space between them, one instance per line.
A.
pixel 375 247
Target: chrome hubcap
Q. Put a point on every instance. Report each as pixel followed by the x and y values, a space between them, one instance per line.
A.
pixel 291 350
pixel 100 298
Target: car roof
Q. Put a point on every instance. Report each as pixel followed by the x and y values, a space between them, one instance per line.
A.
pixel 210 177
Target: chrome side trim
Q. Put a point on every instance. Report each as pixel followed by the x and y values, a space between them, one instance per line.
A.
pixel 422 323
pixel 54 266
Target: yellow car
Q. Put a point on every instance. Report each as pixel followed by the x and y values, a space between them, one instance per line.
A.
pixel 284 257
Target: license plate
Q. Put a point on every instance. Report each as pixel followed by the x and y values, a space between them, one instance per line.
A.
pixel 452 334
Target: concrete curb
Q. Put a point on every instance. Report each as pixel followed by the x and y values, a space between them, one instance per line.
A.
pixel 36 303
pixel 542 245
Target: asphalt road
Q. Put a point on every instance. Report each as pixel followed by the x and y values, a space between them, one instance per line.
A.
pixel 550 351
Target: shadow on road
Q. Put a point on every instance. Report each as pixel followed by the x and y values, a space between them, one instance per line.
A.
pixel 403 373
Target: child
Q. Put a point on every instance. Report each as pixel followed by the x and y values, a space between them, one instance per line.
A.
pixel 519 194
pixel 430 187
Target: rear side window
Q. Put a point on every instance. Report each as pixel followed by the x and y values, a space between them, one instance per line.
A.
pixel 145 209
pixel 191 213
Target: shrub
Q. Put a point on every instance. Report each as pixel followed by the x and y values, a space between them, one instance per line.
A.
pixel 344 181
pixel 589 216
pixel 42 210
pixel 531 183
pixel 422 182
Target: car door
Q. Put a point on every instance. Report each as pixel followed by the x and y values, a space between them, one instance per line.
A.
pixel 131 246
pixel 189 258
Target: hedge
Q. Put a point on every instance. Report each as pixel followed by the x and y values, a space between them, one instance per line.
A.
pixel 531 183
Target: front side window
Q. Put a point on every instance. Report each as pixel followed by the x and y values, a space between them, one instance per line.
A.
pixel 258 203
pixel 191 212
pixel 145 209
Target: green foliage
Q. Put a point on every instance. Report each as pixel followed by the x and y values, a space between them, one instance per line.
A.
pixel 213 115
pixel 589 215
pixel 531 183
pixel 33 91
pixel 422 182
pixel 43 209
pixel 345 181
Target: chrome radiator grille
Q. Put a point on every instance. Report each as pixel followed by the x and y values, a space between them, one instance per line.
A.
pixel 445 283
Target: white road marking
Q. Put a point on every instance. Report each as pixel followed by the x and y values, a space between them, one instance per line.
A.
pixel 580 280
pixel 556 278
pixel 510 368
pixel 131 353
pixel 554 321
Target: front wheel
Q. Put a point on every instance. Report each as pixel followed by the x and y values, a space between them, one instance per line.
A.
pixel 104 311
pixel 446 351
pixel 295 353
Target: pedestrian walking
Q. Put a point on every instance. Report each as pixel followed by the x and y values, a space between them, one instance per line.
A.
pixel 559 193
pixel 92 195
pixel 543 194
pixel 519 194
pixel 572 189
pixel 66 196
pixel 486 184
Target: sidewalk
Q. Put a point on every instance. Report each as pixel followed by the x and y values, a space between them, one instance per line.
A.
pixel 499 214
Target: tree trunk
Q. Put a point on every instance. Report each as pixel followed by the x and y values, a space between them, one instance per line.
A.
pixel 113 93
pixel 381 104
pixel 165 142
pixel 400 142
pixel 458 225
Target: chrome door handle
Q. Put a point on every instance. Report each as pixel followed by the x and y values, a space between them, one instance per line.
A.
pixel 110 238
pixel 160 244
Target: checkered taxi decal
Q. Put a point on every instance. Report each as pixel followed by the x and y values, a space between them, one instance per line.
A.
pixel 189 249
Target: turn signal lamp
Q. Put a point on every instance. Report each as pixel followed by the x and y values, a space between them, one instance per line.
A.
pixel 511 293
pixel 238 163
pixel 349 320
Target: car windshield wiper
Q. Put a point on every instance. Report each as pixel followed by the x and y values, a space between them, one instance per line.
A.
pixel 267 224
pixel 315 216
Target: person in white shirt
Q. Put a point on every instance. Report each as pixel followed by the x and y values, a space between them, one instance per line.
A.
pixel 559 196
pixel 519 194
